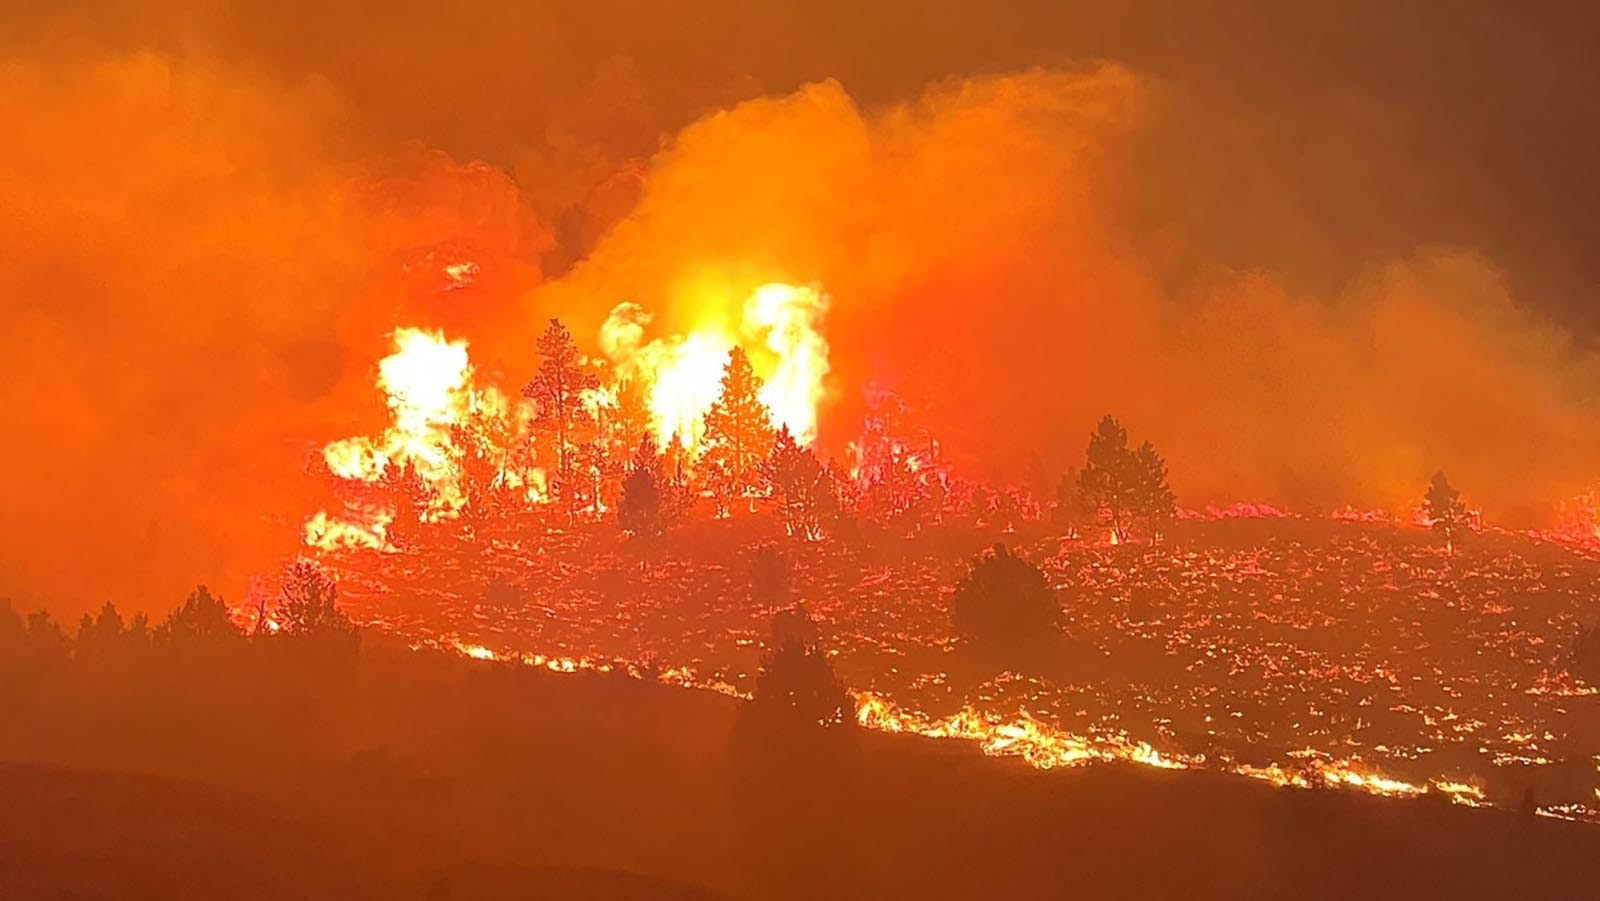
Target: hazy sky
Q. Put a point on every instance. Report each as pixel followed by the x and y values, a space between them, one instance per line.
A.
pixel 1483 118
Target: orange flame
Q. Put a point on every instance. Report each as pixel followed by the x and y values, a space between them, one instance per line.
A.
pixel 428 386
pixel 683 373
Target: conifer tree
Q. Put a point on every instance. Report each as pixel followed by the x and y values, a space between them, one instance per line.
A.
pixel 308 605
pixel 1122 485
pixel 738 435
pixel 557 392
pixel 1445 510
pixel 801 486
pixel 202 621
pixel 639 510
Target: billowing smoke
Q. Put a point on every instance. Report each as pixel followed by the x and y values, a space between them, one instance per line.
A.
pixel 202 262
pixel 198 277
pixel 981 247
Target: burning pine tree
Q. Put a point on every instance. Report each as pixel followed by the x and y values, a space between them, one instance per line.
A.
pixel 802 486
pixel 558 392
pixel 738 435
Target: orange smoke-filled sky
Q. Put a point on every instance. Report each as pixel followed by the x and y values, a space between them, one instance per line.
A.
pixel 1314 257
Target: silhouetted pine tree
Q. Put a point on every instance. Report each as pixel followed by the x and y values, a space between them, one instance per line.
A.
pixel 1123 486
pixel 1104 481
pixel 557 392
pixel 202 622
pixel 308 608
pixel 801 486
pixel 639 509
pixel 796 692
pixel 1444 508
pixel 738 435
pixel 1151 496
pixel 28 647
pixel 99 637
pixel 676 484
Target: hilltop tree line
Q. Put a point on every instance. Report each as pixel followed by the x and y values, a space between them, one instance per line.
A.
pixel 599 454
pixel 304 619
pixel 603 457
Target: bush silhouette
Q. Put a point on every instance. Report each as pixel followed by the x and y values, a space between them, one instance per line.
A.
pixel 1005 600
pixel 797 692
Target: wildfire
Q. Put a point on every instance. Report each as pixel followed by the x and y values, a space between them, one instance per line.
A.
pixel 425 380
pixel 368 531
pixel 682 374
pixel 1578 525
pixel 428 386
pixel 452 439
pixel 451 444
pixel 1024 737
pixel 789 317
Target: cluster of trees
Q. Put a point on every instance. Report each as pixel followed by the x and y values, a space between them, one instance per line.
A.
pixel 1006 601
pixel 603 456
pixel 742 458
pixel 597 452
pixel 1125 488
pixel 1003 603
pixel 305 616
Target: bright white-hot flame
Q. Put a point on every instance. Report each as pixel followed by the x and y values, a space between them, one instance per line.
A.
pixel 425 380
pixel 786 318
pixel 688 380
pixel 427 383
pixel 682 374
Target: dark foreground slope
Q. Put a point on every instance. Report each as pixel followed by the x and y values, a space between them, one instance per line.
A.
pixel 417 776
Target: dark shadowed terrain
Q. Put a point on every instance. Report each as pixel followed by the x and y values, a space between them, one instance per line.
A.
pixel 411 775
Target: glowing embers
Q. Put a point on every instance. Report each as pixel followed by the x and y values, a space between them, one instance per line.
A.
pixel 1577 526
pixel 1427 695
pixel 362 531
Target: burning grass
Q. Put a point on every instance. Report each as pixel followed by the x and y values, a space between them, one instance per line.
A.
pixel 1304 652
